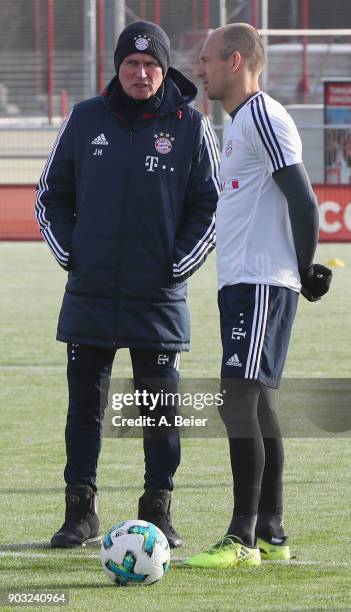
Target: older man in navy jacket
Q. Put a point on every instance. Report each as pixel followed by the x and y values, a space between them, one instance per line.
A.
pixel 126 204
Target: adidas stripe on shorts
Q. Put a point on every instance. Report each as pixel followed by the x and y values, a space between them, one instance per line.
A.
pixel 256 323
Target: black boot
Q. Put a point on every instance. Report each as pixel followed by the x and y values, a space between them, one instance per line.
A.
pixel 154 507
pixel 82 523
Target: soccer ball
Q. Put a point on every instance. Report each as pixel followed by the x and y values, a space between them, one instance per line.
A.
pixel 135 552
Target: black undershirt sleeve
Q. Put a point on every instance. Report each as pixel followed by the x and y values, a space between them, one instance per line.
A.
pixel 295 184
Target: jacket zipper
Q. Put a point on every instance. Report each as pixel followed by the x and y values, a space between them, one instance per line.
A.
pixel 121 243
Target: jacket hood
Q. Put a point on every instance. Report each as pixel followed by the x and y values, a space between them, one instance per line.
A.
pixel 175 92
pixel 185 88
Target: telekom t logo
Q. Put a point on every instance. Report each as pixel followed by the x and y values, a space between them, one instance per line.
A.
pixel 151 162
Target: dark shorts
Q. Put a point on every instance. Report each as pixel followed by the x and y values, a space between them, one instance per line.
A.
pixel 256 323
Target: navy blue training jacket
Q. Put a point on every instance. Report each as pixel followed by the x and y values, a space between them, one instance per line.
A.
pixel 130 214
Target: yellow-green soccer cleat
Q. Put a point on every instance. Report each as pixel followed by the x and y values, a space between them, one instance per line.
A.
pixel 273 550
pixel 229 552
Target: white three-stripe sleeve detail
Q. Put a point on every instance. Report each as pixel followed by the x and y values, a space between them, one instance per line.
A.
pixel 206 243
pixel 212 138
pixel 59 253
pixel 212 153
pixel 52 244
pixel 191 264
pixel 207 237
pixel 40 208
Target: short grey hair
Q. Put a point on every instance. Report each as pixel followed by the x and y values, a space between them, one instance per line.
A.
pixel 244 38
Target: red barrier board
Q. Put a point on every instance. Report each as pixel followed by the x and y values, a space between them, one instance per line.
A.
pixel 337 93
pixel 17 220
pixel 334 212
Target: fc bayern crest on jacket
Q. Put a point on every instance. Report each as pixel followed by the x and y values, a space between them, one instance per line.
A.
pixel 163 143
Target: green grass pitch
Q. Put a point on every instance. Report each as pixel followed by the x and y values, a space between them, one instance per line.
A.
pixel 33 407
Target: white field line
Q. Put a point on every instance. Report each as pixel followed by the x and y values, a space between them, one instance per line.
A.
pixel 176 560
pixel 34 368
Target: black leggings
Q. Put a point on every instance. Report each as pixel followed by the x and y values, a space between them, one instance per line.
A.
pixel 256 447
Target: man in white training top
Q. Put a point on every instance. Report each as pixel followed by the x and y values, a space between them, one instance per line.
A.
pixel 267 232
